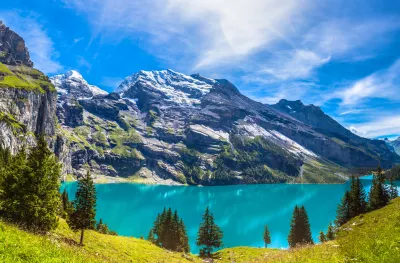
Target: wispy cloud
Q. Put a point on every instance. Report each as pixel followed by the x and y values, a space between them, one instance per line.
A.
pixel 83 63
pixel 111 82
pixel 355 111
pixel 40 45
pixel 378 127
pixel 381 84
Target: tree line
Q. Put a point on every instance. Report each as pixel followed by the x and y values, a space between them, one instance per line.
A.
pixel 30 197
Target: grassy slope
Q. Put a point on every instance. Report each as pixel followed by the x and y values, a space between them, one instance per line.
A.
pixel 373 237
pixel 60 246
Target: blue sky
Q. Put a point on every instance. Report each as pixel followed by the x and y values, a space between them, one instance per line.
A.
pixel 343 56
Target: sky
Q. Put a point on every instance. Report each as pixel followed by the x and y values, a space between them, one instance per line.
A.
pixel 343 56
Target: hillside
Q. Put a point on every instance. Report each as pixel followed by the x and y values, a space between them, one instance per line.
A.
pixel 373 237
pixel 61 246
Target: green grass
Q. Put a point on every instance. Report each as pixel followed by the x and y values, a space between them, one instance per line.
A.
pixel 22 77
pixel 13 123
pixel 369 238
pixel 61 246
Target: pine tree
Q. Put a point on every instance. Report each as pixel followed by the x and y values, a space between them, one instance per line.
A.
pixel 330 233
pixel 343 210
pixel 67 206
pixel 379 195
pixel 30 189
pixel 393 192
pixel 169 232
pixel 300 230
pixel 150 237
pixel 209 235
pixel 321 237
pixel 267 237
pixel 84 213
pixel 358 204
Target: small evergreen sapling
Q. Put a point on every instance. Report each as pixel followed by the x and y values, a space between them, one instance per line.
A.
pixel 267 237
pixel 83 216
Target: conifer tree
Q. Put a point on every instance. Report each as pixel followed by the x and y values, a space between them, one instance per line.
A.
pixel 169 232
pixel 67 206
pixel 330 234
pixel 209 235
pixel 300 232
pixel 379 195
pixel 150 237
pixel 267 237
pixel 393 192
pixel 343 210
pixel 30 189
pixel 358 204
pixel 84 213
pixel 321 237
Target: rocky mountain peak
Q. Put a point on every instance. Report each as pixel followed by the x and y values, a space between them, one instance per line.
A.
pixel 73 83
pixel 168 85
pixel 12 48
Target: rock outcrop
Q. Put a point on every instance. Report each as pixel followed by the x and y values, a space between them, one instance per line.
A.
pixel 12 48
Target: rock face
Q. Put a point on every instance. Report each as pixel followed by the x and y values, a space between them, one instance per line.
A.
pixel 394 145
pixel 196 130
pixel 12 48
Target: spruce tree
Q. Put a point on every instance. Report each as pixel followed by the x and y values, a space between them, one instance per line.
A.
pixel 67 206
pixel 393 192
pixel 379 195
pixel 321 237
pixel 169 232
pixel 300 230
pixel 209 235
pixel 343 210
pixel 358 204
pixel 30 189
pixel 267 237
pixel 84 213
pixel 150 237
pixel 330 233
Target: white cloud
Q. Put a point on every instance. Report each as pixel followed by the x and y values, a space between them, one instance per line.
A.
pixel 40 46
pixel 381 84
pixel 380 127
pixel 296 64
pixel 355 111
pixel 83 63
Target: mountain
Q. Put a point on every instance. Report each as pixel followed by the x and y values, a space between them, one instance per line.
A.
pixel 27 100
pixel 394 145
pixel 168 127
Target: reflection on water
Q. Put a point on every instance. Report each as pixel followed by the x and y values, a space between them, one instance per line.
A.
pixel 241 210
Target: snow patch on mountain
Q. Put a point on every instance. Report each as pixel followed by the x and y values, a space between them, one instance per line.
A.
pixel 177 87
pixel 72 82
pixel 252 130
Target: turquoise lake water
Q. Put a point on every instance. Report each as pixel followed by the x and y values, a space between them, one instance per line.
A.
pixel 240 210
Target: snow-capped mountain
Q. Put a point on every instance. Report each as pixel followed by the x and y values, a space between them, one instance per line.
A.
pixel 73 83
pixel 164 125
pixel 175 87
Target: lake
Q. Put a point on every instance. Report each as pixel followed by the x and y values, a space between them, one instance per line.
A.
pixel 241 211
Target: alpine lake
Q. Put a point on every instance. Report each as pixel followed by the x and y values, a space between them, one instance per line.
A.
pixel 241 211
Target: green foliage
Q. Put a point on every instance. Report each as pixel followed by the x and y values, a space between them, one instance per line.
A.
pixel 209 236
pixel 353 202
pixel 394 173
pixel 152 117
pixel 103 228
pixel 379 195
pixel 22 77
pixel 330 233
pixel 300 232
pixel 29 188
pixel 83 216
pixel 267 236
pixel 343 210
pixel 321 237
pixel 393 192
pixel 11 122
pixel 169 232
pixel 67 207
